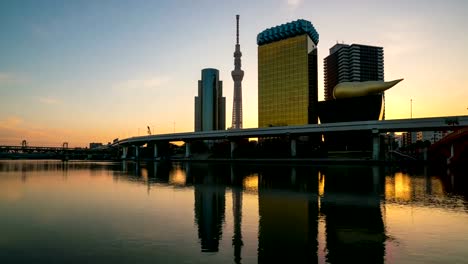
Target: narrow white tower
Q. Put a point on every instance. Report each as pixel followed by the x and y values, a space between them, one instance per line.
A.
pixel 237 76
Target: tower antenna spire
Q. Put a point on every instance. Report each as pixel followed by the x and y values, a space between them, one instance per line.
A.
pixel 237 27
pixel 237 76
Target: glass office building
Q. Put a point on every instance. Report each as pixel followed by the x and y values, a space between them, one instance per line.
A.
pixel 352 63
pixel 210 105
pixel 287 75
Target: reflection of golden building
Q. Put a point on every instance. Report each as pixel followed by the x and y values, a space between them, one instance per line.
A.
pixel 288 220
pixel 287 75
pixel 288 228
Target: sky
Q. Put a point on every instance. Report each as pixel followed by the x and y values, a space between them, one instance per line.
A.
pixel 92 71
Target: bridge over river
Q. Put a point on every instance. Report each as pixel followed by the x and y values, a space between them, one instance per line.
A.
pixel 293 132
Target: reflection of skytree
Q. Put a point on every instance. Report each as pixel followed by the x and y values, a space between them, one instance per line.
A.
pixel 209 212
pixel 237 76
pixel 237 215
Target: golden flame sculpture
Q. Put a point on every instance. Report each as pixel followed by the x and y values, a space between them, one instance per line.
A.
pixel 355 89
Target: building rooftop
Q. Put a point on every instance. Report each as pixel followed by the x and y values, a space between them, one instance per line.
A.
pixel 338 46
pixel 288 30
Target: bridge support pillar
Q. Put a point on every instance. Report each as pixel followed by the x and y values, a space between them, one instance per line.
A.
pixel 376 179
pixel 233 147
pixel 155 151
pixel 124 152
pixel 375 144
pixel 293 175
pixel 452 153
pixel 137 150
pixel 187 150
pixel 293 147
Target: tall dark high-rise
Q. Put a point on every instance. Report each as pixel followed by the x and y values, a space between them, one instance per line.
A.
pixel 237 76
pixel 287 75
pixel 210 105
pixel 352 63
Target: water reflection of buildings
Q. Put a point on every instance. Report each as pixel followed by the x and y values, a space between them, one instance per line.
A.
pixel 237 184
pixel 355 231
pixel 288 218
pixel 422 187
pixel 350 200
pixel 210 192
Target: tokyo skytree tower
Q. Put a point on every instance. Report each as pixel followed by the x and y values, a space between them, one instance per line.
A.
pixel 237 76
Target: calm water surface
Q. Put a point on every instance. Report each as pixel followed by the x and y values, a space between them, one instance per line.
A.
pixel 83 212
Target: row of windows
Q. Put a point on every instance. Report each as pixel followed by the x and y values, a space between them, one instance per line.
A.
pixel 294 102
pixel 282 60
pixel 275 81
pixel 283 64
pixel 281 121
pixel 285 110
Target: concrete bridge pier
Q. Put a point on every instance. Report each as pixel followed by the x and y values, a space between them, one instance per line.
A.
pixel 375 144
pixel 137 150
pixel 155 170
pixel 187 150
pixel 293 148
pixel 155 151
pixel 452 153
pixel 293 175
pixel 124 152
pixel 233 147
pixel 376 179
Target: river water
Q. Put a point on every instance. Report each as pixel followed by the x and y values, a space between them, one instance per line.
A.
pixel 100 212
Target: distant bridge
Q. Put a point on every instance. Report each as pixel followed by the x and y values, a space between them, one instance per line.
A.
pixel 52 152
pixel 376 127
pixel 453 147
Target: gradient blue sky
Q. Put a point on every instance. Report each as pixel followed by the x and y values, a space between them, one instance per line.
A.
pixel 92 71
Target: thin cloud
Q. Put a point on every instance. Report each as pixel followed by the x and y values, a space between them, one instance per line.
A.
pixel 6 77
pixel 11 78
pixel 10 122
pixel 143 84
pixel 49 100
pixel 293 4
pixel 13 130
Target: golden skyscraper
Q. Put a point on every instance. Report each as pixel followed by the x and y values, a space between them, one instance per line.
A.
pixel 287 75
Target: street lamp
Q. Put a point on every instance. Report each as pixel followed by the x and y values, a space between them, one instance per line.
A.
pixel 411 108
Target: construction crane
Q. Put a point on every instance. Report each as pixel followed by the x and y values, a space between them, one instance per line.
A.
pixel 149 130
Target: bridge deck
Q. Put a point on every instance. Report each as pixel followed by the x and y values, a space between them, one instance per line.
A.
pixel 397 125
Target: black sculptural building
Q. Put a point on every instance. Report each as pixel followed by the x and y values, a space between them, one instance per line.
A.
pixel 354 91
pixel 362 108
pixel 353 101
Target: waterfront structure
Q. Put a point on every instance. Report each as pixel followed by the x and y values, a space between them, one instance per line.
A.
pixel 352 63
pixel 94 145
pixel 210 105
pixel 237 76
pixel 432 136
pixel 287 75
pixel 409 138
